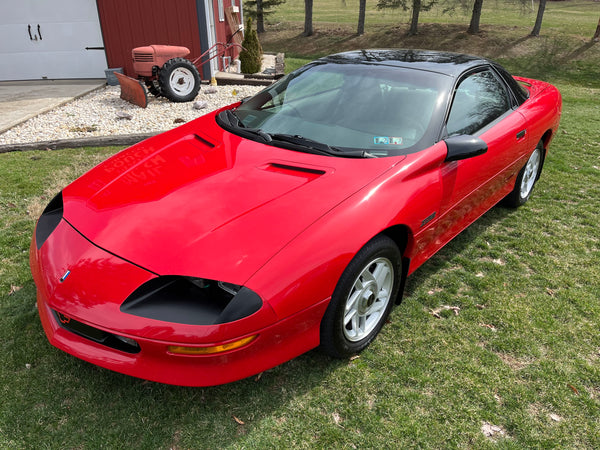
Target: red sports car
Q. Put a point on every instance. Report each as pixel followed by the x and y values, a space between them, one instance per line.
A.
pixel 288 221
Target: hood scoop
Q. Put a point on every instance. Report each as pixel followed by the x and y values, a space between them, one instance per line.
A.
pixel 308 173
pixel 202 140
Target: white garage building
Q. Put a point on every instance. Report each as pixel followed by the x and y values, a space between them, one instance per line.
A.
pixel 50 39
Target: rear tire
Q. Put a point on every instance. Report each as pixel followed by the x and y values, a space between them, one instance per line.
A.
pixel 179 80
pixel 526 179
pixel 362 299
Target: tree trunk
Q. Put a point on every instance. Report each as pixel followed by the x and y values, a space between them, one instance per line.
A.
pixel 308 10
pixel 414 23
pixel 596 37
pixel 538 20
pixel 474 25
pixel 362 8
pixel 260 17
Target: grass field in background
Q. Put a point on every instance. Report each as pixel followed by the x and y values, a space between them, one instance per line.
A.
pixel 522 354
pixel 567 17
pixel 563 51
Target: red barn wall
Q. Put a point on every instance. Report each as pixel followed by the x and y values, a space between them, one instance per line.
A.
pixel 134 23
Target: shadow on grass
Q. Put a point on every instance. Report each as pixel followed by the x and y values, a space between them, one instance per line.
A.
pixel 546 57
pixel 510 46
pixel 578 52
pixel 455 248
pixel 54 398
pixel 554 58
pixel 65 400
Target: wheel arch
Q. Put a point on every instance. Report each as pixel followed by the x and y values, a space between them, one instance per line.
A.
pixel 545 140
pixel 402 236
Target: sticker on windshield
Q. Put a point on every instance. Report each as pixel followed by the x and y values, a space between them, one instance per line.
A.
pixel 387 140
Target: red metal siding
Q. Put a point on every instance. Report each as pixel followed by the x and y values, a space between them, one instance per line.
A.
pixel 134 23
pixel 222 29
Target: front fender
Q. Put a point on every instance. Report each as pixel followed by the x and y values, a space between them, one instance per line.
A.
pixel 307 270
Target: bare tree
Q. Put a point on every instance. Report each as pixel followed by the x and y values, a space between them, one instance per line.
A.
pixel 308 12
pixel 474 25
pixel 260 17
pixel 414 21
pixel 538 20
pixel 362 10
pixel 416 6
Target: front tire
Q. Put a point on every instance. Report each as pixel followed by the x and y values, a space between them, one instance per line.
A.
pixel 526 179
pixel 362 299
pixel 179 80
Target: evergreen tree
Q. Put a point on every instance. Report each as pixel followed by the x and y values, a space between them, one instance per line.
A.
pixel 259 10
pixel 251 56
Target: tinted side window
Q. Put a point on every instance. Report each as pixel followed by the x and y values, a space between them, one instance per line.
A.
pixel 521 94
pixel 479 99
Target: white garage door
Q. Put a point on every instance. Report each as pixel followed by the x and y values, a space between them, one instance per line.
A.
pixel 50 39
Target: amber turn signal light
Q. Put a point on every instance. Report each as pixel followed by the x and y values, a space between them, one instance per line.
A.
pixel 181 350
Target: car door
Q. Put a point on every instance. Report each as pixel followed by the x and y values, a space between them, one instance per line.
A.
pixel 482 106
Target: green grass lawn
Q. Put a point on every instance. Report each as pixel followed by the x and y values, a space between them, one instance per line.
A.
pixel 563 50
pixel 522 354
pixel 568 17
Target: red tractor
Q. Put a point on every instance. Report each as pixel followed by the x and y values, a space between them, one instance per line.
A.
pixel 165 70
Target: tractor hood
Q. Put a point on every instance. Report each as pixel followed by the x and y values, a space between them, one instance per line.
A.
pixel 160 52
pixel 209 203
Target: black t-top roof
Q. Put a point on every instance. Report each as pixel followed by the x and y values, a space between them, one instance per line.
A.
pixel 452 64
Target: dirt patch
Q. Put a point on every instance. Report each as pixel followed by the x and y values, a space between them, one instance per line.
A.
pixel 513 362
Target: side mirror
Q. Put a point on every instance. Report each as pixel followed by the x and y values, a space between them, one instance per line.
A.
pixel 464 146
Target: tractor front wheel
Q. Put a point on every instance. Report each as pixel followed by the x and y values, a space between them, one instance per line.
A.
pixel 179 80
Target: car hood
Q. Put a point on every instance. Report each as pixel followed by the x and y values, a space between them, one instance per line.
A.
pixel 199 201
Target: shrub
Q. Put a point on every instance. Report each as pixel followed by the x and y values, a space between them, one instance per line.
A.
pixel 251 56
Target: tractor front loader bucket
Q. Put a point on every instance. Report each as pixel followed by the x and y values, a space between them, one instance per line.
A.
pixel 133 90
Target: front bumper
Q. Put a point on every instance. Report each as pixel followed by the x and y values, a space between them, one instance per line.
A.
pixel 91 293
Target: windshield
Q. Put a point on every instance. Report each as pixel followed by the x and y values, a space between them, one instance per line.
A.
pixel 379 109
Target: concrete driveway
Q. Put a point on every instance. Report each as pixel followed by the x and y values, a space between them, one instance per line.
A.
pixel 22 100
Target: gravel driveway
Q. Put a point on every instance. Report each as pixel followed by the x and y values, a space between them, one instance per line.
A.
pixel 104 113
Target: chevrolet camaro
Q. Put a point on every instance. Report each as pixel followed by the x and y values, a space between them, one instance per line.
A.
pixel 287 221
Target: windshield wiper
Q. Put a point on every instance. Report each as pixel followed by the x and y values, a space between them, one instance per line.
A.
pixel 230 120
pixel 319 147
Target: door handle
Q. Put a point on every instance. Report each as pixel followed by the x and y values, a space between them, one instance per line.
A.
pixel 521 134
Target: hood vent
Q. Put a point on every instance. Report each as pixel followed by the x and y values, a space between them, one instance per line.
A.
pixel 204 141
pixel 299 171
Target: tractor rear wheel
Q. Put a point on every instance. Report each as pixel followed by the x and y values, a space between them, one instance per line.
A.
pixel 179 80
